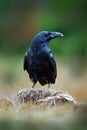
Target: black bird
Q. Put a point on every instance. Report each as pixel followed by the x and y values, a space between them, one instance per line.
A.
pixel 39 61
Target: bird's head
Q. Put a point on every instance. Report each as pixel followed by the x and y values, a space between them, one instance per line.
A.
pixel 44 37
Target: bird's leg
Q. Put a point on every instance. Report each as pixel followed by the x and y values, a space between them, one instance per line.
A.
pixel 33 84
pixel 48 85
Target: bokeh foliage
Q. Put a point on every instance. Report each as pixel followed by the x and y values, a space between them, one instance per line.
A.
pixel 21 20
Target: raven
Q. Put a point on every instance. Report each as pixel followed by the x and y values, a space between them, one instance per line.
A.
pixel 39 61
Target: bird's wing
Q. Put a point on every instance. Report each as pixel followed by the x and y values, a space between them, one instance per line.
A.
pixel 27 59
pixel 52 63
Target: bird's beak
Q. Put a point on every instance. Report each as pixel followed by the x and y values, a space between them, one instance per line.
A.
pixel 55 35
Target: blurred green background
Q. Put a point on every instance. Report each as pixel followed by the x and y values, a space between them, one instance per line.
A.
pixel 20 20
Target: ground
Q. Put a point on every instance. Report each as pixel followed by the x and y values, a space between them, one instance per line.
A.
pixel 35 116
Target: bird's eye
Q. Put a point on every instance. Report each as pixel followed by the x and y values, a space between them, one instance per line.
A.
pixel 47 34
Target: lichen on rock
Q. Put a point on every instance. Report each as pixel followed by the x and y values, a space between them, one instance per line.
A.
pixel 43 97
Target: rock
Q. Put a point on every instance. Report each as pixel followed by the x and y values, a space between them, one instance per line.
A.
pixel 43 97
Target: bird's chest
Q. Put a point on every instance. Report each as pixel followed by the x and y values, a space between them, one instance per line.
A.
pixel 38 54
pixel 38 57
pixel 36 61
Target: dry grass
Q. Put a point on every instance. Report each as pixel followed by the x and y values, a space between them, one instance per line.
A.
pixel 77 87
